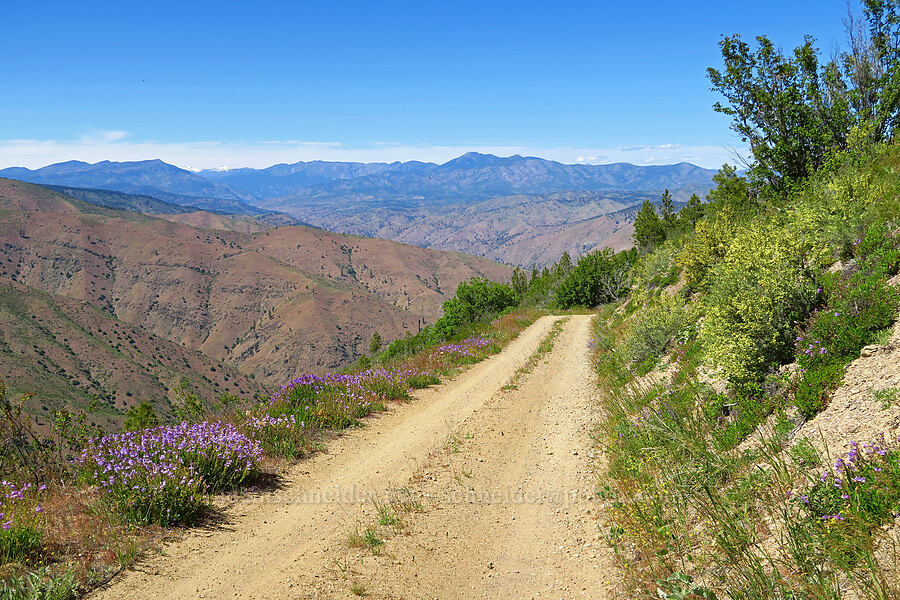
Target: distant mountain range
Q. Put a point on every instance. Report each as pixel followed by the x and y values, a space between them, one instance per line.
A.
pixel 147 177
pixel 472 176
pixel 433 205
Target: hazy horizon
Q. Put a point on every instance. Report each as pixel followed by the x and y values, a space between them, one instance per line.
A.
pixel 226 85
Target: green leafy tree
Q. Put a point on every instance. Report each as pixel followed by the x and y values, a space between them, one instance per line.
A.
pixel 140 417
pixel 791 110
pixel 475 301
pixel 872 68
pixel 795 110
pixel 598 277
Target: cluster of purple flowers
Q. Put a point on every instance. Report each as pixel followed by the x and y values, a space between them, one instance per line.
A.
pixel 16 500
pixel 160 475
pixel 866 482
pixel 365 387
pixel 467 348
pixel 811 348
pixel 336 400
pixel 268 422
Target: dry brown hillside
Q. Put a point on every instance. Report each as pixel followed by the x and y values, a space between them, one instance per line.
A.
pixel 208 220
pixel 521 230
pixel 69 353
pixel 274 303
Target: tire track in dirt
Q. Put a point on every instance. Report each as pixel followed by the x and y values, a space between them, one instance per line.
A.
pixel 512 513
pixel 282 544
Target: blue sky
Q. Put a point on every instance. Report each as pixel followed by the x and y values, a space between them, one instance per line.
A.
pixel 253 83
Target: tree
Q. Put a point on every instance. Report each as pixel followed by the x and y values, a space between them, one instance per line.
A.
pixel 795 110
pixel 519 282
pixel 690 213
pixel 598 277
pixel 649 230
pixel 375 343
pixel 475 301
pixel 667 213
pixel 732 191
pixel 563 266
pixel 872 67
pixel 140 417
pixel 791 110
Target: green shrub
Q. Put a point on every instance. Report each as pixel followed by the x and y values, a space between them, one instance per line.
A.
pixel 19 543
pixel 813 386
pixel 20 522
pixel 475 301
pixel 654 327
pixel 656 269
pixel 39 585
pixel 598 278
pixel 706 247
pixel 864 485
pixel 141 416
pixel 733 419
pixel 283 436
pixel 757 295
pixel 856 308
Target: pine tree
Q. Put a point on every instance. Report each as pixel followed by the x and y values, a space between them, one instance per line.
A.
pixel 690 214
pixel 519 282
pixel 375 343
pixel 649 230
pixel 667 212
pixel 564 267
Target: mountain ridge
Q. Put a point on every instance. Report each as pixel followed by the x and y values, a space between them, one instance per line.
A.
pixel 472 174
pixel 361 198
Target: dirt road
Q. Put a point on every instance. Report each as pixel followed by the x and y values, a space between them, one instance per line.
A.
pixel 499 481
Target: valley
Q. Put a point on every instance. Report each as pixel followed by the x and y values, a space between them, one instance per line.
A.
pixel 270 302
pixel 518 210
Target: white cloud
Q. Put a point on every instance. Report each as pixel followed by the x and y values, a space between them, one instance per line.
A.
pixel 103 136
pixel 114 145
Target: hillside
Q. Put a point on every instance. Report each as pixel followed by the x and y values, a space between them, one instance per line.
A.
pixel 749 386
pixel 523 230
pixel 274 303
pixel 151 177
pixel 70 353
